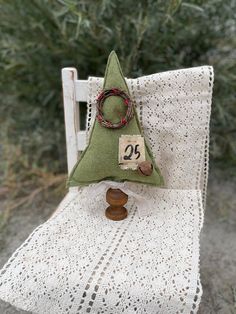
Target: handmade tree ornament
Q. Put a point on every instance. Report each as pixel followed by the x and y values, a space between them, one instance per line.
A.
pixel 117 149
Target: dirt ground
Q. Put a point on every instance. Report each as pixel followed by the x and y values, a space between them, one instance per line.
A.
pixel 218 242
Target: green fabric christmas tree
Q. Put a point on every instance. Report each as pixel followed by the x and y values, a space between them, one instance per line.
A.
pixel 100 160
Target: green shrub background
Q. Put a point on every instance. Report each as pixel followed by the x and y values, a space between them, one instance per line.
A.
pixel 39 37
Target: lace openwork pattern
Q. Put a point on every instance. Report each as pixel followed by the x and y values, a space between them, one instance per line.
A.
pixel 80 262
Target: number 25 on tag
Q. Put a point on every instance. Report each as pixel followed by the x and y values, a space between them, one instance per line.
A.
pixel 131 151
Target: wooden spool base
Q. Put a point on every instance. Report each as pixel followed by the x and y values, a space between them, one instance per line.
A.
pixel 117 199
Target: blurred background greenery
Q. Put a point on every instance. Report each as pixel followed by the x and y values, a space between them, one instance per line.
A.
pixel 39 37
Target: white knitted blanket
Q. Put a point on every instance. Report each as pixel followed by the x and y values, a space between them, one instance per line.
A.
pixel 80 262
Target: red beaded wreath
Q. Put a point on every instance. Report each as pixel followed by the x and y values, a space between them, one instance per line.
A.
pixel 127 101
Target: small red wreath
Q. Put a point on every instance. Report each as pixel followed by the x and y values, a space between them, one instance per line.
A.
pixel 127 102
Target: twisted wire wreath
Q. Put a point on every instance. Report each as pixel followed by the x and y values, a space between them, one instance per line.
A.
pixel 127 102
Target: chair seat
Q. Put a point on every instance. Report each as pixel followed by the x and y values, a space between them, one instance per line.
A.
pixel 80 262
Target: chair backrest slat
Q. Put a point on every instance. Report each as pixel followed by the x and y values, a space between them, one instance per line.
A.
pixel 74 91
pixel 81 90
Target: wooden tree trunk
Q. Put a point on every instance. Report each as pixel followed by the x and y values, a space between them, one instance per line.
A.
pixel 116 199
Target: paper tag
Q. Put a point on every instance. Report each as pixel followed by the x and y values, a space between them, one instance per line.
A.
pixel 131 151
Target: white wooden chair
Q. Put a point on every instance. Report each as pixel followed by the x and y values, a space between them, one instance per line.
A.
pixel 80 262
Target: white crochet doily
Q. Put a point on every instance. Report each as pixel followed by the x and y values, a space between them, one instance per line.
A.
pixel 80 262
